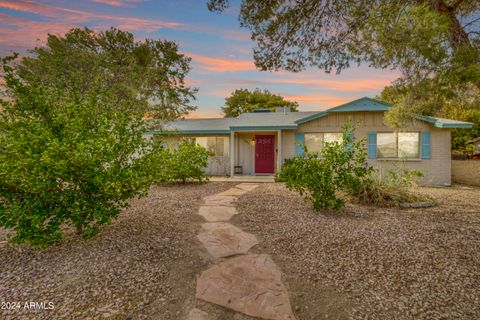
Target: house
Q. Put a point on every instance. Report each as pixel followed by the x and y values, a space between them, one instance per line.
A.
pixel 258 143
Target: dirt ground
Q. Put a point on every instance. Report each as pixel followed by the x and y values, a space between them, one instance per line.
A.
pixel 372 263
pixel 361 263
pixel 142 266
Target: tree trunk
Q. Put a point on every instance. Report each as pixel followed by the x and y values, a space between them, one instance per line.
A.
pixel 458 36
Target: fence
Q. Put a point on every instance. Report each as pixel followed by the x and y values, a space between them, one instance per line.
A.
pixel 466 172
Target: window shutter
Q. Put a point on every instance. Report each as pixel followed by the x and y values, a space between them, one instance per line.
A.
pixel 425 149
pixel 350 144
pixel 372 144
pixel 299 143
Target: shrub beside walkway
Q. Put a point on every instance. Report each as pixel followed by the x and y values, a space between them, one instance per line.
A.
pixel 244 282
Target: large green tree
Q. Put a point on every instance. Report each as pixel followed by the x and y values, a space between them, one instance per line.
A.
pixel 244 100
pixel 461 105
pixel 434 43
pixel 71 145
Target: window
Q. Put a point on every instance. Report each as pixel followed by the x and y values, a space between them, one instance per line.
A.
pixel 314 141
pixel 398 145
pixel 217 145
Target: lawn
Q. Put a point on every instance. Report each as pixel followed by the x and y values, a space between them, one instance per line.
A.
pixel 363 262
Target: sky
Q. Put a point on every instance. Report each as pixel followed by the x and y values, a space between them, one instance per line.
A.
pixel 220 49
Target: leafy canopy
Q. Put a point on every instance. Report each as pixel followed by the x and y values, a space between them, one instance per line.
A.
pixel 244 100
pixel 71 145
pixel 461 104
pixel 434 43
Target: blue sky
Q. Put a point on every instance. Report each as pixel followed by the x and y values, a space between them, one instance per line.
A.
pixel 221 51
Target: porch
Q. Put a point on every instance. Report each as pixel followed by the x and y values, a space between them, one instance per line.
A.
pixel 255 153
pixel 244 178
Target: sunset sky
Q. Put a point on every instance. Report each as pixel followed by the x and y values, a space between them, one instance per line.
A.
pixel 221 51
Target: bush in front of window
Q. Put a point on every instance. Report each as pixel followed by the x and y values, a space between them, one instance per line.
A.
pixel 185 163
pixel 319 176
pixel 392 188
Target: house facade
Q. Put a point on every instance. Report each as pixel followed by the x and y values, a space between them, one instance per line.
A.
pixel 258 143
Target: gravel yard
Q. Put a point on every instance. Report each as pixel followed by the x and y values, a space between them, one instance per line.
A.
pixel 372 263
pixel 362 263
pixel 142 266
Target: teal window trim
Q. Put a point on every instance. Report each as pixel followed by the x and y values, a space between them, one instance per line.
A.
pixel 372 145
pixel 425 145
pixel 299 143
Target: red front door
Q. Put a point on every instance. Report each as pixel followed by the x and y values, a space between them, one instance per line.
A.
pixel 264 154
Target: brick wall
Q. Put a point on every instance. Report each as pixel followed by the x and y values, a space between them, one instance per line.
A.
pixel 466 172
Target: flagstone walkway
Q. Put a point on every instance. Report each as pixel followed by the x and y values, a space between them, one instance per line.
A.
pixel 239 280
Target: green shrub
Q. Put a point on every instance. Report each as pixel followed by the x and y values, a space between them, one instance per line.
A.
pixel 71 145
pixel 187 162
pixel 319 176
pixel 391 188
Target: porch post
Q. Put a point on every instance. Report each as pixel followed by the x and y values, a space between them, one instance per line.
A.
pixel 232 154
pixel 279 148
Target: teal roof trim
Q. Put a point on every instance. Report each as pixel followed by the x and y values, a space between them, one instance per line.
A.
pixel 312 117
pixel 362 104
pixel 190 132
pixel 253 128
pixel 445 123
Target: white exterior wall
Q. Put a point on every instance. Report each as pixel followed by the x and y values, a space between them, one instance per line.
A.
pixel 217 165
pixel 245 152
pixel 288 144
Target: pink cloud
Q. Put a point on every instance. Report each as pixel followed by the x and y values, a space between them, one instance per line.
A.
pixel 28 33
pixel 192 82
pixel 337 85
pixel 23 32
pixel 317 101
pixel 118 3
pixel 216 64
pixel 222 93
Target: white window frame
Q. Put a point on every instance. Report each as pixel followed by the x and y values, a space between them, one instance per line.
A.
pixel 322 138
pixel 397 146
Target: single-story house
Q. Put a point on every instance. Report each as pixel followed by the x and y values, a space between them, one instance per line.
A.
pixel 258 143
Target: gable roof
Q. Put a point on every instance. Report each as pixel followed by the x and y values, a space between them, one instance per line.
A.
pixel 290 120
pixel 362 104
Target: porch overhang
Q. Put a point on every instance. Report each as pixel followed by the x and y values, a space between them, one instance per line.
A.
pixel 263 128
pixel 186 132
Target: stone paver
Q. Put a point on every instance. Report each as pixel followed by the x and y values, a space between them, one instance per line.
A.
pixel 233 192
pixel 246 186
pixel 217 213
pixel 197 314
pixel 217 200
pixel 223 239
pixel 250 284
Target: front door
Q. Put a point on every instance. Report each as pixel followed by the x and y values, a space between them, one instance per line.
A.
pixel 264 154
